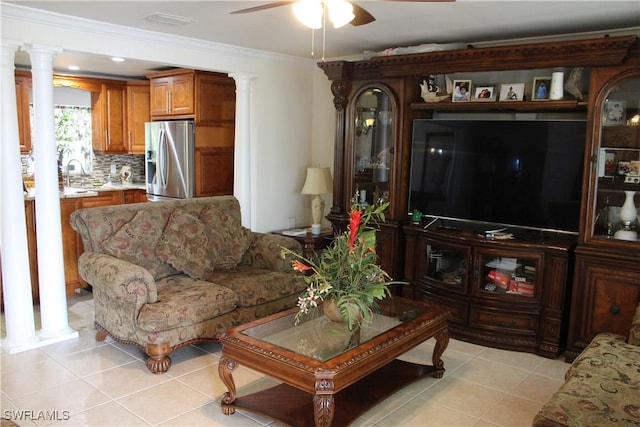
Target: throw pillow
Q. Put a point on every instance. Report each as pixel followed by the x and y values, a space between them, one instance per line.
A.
pixel 136 242
pixel 185 245
pixel 230 239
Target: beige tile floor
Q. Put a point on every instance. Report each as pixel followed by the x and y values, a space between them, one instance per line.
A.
pixel 107 384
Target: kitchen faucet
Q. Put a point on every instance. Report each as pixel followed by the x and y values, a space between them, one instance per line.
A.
pixel 70 168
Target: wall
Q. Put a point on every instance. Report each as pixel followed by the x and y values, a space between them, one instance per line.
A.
pixel 284 138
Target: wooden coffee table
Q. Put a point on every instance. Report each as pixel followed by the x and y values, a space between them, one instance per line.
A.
pixel 330 375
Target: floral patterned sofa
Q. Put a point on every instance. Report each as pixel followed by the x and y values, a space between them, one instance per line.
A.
pixel 602 386
pixel 173 273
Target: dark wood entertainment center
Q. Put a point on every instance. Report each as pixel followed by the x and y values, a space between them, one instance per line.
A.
pixel 566 287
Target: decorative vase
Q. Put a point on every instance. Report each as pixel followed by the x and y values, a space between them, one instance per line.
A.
pixel 332 312
pixel 628 213
pixel 557 86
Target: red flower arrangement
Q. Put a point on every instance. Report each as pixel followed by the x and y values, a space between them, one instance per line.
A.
pixel 347 271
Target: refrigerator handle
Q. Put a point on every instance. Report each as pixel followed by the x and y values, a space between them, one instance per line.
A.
pixel 163 167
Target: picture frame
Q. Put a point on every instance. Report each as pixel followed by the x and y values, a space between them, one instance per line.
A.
pixel 484 92
pixel 623 168
pixel 461 91
pixel 541 88
pixel 512 92
pixel 613 113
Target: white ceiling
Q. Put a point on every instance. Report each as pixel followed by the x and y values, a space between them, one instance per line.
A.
pixel 398 23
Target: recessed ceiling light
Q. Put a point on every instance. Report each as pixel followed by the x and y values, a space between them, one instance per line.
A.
pixel 165 18
pixel 73 67
pixel 117 59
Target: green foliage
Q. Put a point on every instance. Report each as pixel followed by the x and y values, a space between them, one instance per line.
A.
pixel 347 271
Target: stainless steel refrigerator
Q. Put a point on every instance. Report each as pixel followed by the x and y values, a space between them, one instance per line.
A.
pixel 170 159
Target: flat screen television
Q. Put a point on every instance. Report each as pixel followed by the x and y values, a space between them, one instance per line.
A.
pixel 516 173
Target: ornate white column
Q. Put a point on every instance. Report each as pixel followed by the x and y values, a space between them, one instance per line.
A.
pixel 244 161
pixel 16 276
pixel 53 298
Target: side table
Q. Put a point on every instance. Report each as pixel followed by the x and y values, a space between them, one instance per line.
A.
pixel 311 243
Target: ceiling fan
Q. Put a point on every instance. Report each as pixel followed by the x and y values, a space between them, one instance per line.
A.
pixel 360 15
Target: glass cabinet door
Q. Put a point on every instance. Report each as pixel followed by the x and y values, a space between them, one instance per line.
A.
pixel 373 148
pixel 617 186
pixel 500 275
pixel 447 266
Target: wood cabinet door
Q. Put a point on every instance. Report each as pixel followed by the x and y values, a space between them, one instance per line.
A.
pixel 182 94
pixel 23 87
pixel 30 217
pixel 160 87
pixel 108 119
pixel 135 196
pixel 138 107
pixel 71 246
pixel 214 172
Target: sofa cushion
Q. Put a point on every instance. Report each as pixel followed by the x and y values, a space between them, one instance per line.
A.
pixel 591 400
pixel 184 301
pixel 231 238
pixel 135 241
pixel 256 286
pixel 611 357
pixel 185 245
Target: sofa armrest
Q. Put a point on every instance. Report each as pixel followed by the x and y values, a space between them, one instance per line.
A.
pixel 117 278
pixel 634 332
pixel 264 251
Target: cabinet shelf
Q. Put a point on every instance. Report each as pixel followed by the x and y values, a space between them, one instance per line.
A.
pixel 532 106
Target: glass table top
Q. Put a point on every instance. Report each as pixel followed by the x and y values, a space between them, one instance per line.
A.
pixel 319 338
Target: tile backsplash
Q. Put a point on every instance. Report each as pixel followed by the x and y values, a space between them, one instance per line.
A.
pixel 102 167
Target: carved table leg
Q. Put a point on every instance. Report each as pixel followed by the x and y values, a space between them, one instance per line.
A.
pixel 225 367
pixel 323 402
pixel 442 341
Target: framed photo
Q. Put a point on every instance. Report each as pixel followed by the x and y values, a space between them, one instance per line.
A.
pixel 484 93
pixel 461 90
pixel 541 87
pixel 623 168
pixel 512 92
pixel 614 113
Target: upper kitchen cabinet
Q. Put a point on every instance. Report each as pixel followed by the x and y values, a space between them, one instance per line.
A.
pixel 108 118
pixel 138 113
pixel 191 94
pixel 172 94
pixel 23 90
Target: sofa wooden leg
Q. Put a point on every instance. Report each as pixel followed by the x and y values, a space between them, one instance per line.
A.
pixel 159 361
pixel 101 334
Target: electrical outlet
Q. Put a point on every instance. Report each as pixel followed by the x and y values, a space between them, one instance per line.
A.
pixel 113 169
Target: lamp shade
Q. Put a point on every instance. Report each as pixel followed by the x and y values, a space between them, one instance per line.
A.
pixel 318 181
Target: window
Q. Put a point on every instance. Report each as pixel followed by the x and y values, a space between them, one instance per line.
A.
pixel 73 135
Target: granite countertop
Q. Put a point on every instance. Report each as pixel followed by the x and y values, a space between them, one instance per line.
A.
pixel 89 191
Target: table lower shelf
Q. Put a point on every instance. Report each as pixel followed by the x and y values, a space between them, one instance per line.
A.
pixel 293 407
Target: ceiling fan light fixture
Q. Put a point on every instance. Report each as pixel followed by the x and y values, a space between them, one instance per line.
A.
pixel 309 12
pixel 340 12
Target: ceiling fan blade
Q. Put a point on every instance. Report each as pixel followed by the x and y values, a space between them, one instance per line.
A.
pixel 263 7
pixel 362 16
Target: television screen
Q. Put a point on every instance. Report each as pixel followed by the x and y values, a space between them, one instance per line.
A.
pixel 522 173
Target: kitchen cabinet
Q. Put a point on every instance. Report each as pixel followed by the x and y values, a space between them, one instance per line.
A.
pixel 23 91
pixel 606 288
pixel 138 113
pixel 210 100
pixel 510 294
pixel 172 94
pixel 108 119
pixel 134 196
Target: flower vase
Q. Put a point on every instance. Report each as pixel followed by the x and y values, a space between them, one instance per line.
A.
pixel 628 213
pixel 332 312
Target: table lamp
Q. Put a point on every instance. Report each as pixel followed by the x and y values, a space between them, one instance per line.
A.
pixel 318 182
